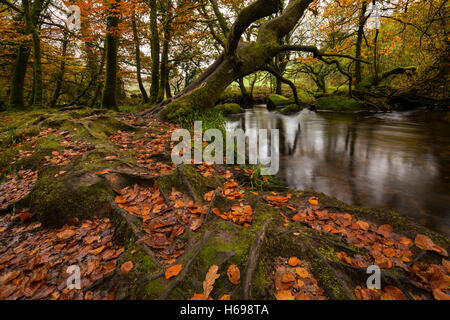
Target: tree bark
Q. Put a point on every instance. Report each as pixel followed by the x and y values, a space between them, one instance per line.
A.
pixel 111 45
pixel 138 60
pixel 60 76
pixel 18 78
pixel 31 16
pixel 358 45
pixel 154 44
pixel 241 59
pixel 165 52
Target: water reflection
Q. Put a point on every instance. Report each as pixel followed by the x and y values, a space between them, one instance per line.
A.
pixel 397 160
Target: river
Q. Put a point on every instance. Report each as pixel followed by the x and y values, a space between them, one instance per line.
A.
pixel 397 160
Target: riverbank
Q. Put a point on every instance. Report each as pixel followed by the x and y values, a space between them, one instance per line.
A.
pixel 155 230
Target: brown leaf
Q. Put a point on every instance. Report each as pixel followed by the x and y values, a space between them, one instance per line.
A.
pixel 225 297
pixel 363 225
pixel 97 251
pixel 126 267
pixel 425 243
pixel 66 234
pixel 440 295
pixel 284 295
pixel 233 274
pixel 392 293
pixel 302 272
pixel 210 279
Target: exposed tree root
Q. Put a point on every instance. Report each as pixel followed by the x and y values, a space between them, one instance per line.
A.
pixel 131 221
pixel 186 268
pixel 252 262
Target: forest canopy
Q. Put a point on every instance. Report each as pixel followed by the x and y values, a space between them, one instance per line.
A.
pixel 110 53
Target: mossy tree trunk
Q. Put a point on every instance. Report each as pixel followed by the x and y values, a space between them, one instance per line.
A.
pixel 165 51
pixel 60 76
pixel 240 59
pixel 18 77
pixel 111 46
pixel 31 13
pixel 138 60
pixel 155 48
pixel 358 45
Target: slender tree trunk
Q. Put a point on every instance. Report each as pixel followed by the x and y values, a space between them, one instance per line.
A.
pixel 375 58
pixel 111 46
pixel 154 44
pixel 60 76
pixel 31 14
pixel 98 83
pixel 18 77
pixel 359 38
pixel 165 55
pixel 138 61
pixel 168 91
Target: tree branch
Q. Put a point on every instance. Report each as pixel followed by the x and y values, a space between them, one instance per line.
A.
pixel 250 14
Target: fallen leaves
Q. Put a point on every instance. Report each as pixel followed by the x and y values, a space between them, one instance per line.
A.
pixel 160 222
pixel 295 282
pixel 233 274
pixel 17 187
pixel 425 243
pixel 278 201
pixel 173 271
pixel 36 267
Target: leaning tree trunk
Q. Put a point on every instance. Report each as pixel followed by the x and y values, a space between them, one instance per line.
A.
pixel 111 45
pixel 239 59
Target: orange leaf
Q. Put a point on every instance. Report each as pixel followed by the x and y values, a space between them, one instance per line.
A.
pixel 66 234
pixel 126 267
pixel 233 274
pixel 302 272
pixel 284 295
pixel 198 296
pixel 293 261
pixel 97 251
pixel 314 201
pixel 173 271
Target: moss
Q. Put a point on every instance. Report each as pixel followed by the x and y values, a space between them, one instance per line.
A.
pixel 56 200
pixel 338 103
pixel 327 279
pixel 275 100
pixel 229 108
pixel 290 109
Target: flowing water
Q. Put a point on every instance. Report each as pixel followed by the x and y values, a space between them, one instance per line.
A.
pixel 396 160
